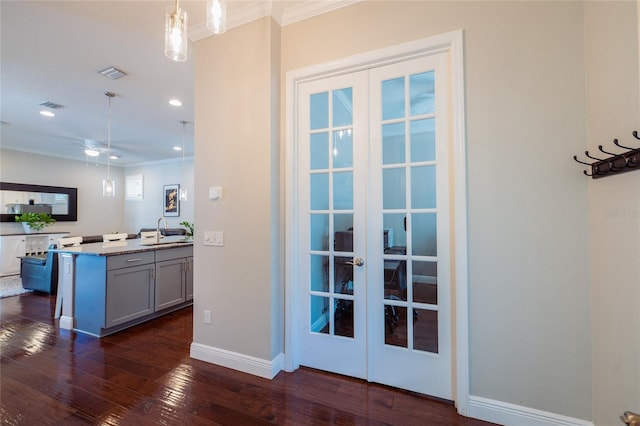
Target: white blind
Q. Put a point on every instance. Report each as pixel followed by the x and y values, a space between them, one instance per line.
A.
pixel 134 187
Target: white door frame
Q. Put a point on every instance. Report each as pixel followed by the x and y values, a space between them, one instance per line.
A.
pixel 453 43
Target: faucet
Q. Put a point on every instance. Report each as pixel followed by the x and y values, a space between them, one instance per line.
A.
pixel 158 229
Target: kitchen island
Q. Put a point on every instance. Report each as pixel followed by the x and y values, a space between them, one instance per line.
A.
pixel 107 287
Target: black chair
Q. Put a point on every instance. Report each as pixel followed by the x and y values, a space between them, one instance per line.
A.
pixel 40 273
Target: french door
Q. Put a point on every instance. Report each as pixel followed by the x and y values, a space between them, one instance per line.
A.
pixel 374 225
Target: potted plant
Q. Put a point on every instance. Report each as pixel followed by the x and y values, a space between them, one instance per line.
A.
pixel 35 221
pixel 189 227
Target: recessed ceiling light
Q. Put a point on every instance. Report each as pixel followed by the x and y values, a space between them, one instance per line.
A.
pixel 91 152
pixel 175 102
pixel 177 148
pixel 47 113
pixel 114 157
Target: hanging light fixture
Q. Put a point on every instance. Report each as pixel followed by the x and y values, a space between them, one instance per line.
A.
pixel 217 16
pixel 183 187
pixel 108 184
pixel 175 33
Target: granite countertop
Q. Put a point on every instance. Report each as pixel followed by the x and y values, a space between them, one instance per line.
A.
pixel 115 248
pixel 8 234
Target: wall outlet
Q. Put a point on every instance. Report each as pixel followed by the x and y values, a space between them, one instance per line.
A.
pixel 207 317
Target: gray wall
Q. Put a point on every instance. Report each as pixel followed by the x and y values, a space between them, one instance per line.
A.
pixel 525 109
pixel 237 147
pixel 613 94
pixel 529 231
pixel 145 213
pixel 97 214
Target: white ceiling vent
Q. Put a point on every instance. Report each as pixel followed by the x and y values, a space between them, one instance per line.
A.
pixel 113 73
pixel 50 104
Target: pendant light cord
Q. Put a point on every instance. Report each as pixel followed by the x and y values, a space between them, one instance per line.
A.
pixel 109 95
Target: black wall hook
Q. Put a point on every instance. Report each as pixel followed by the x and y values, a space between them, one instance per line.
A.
pixel 616 163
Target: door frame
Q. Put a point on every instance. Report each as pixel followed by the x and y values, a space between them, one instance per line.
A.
pixel 451 42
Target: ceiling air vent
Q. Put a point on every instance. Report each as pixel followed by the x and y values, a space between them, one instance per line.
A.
pixel 113 73
pixel 50 104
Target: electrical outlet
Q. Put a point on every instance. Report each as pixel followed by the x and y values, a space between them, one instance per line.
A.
pixel 207 317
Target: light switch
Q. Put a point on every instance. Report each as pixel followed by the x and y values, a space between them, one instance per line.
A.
pixel 215 192
pixel 214 238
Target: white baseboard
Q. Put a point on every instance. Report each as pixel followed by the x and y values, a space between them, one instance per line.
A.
pixel 507 414
pixel 66 323
pixel 245 363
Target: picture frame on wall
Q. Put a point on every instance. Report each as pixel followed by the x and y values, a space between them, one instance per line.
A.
pixel 171 200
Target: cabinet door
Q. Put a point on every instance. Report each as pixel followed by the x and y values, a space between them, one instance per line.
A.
pixel 170 283
pixel 130 294
pixel 189 278
pixel 12 247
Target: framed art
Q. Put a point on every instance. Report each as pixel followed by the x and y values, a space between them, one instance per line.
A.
pixel 171 200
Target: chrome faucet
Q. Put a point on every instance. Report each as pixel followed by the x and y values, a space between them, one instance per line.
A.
pixel 158 229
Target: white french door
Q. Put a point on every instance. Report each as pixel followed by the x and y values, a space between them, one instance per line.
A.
pixel 373 219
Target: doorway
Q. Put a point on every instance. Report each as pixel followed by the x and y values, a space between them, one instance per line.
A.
pixel 373 222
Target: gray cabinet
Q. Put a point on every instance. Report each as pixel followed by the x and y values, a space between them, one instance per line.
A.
pixel 130 294
pixel 130 288
pixel 118 291
pixel 189 274
pixel 174 277
pixel 170 283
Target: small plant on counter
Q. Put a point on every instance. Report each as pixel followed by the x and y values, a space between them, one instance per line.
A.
pixel 189 227
pixel 35 221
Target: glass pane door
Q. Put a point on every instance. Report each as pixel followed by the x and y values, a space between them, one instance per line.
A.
pixel 332 224
pixel 409 217
pixel 373 224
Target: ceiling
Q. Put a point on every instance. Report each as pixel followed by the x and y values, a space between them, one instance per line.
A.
pixel 52 51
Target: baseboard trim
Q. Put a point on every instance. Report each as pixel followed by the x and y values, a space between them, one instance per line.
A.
pixel 66 323
pixel 236 361
pixel 507 414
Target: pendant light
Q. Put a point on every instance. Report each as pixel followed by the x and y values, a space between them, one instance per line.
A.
pixel 217 16
pixel 175 33
pixel 109 185
pixel 183 187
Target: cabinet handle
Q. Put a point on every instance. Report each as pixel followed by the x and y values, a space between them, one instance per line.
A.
pixel 137 259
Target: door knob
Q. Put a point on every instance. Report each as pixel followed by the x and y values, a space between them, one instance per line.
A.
pixel 357 261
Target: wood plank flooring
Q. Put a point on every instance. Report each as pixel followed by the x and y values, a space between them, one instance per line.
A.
pixel 144 376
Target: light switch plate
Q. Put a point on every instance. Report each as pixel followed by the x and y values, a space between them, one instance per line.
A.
pixel 215 192
pixel 214 238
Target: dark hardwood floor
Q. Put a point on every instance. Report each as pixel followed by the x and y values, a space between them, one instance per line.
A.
pixel 144 376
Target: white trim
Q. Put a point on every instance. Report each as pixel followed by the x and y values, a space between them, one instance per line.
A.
pixel 461 255
pixel 66 323
pixel 237 361
pixel 510 414
pixel 306 10
pixel 452 42
pixel 282 15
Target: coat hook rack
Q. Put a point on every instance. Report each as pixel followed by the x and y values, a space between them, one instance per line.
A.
pixel 614 163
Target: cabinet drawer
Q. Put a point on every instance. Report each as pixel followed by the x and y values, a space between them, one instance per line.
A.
pixel 132 259
pixel 174 253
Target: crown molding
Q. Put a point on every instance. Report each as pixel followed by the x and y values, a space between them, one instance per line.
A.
pixel 309 9
pixel 281 14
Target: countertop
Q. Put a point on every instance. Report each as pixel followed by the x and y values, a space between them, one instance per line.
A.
pixel 115 248
pixel 32 234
